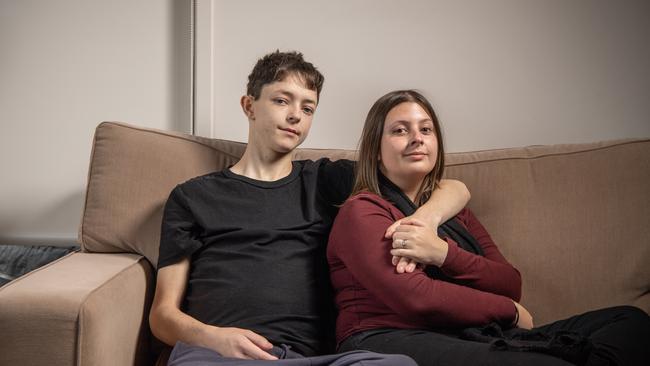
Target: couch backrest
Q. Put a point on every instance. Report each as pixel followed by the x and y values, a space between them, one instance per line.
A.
pixel 571 218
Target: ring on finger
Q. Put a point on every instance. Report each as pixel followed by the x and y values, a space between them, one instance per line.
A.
pixel 403 243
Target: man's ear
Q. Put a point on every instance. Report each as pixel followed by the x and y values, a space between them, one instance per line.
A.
pixel 246 103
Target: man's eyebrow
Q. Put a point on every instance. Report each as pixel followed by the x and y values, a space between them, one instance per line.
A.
pixel 291 95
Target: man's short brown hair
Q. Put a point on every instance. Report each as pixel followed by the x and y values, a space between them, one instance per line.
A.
pixel 276 66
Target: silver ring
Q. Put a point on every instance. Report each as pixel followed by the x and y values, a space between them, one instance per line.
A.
pixel 403 243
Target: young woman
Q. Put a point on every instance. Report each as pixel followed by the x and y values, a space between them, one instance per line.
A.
pixel 462 307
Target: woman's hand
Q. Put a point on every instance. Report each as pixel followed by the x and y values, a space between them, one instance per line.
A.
pixel 416 241
pixel 445 202
pixel 524 319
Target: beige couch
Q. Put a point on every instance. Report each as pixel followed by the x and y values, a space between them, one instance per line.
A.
pixel 573 218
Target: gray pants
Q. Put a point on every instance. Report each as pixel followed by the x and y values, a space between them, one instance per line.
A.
pixel 186 355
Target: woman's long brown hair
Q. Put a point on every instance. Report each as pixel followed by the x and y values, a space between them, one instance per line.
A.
pixel 366 177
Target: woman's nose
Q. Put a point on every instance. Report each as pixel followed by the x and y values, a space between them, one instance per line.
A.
pixel 417 138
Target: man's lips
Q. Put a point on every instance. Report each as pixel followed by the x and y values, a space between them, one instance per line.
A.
pixel 291 130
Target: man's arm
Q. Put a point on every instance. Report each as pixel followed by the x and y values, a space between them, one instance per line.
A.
pixel 444 203
pixel 169 324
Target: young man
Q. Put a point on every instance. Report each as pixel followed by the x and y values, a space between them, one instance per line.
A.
pixel 242 271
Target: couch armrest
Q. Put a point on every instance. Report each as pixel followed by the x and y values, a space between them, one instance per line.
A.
pixel 84 309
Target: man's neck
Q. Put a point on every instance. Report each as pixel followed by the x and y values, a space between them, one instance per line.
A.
pixel 266 167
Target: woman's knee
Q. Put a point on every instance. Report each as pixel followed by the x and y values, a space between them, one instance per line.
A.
pixel 635 312
pixel 631 314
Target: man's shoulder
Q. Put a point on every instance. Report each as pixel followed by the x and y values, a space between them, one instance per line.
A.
pixel 324 162
pixel 199 183
pixel 327 168
pixel 213 177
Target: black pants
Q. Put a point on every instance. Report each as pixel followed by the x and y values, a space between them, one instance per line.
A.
pixel 619 335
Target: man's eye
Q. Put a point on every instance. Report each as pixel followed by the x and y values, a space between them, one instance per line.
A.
pixel 308 110
pixel 280 101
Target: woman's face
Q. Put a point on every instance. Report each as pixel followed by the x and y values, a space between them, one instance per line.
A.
pixel 409 147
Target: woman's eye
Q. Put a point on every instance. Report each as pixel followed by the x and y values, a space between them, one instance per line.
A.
pixel 399 131
pixel 427 130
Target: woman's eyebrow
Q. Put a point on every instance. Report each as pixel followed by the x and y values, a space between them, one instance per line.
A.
pixel 408 122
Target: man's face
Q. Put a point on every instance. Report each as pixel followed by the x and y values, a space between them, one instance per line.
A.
pixel 281 117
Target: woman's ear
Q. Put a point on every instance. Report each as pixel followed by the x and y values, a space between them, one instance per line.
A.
pixel 246 103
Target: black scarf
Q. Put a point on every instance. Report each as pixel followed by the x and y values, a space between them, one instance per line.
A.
pixel 450 229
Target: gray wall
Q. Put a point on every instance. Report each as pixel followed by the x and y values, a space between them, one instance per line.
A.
pixel 65 66
pixel 500 73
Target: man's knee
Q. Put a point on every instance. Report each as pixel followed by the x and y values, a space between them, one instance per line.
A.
pixel 390 360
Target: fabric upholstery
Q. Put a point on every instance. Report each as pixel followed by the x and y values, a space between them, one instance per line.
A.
pixel 84 309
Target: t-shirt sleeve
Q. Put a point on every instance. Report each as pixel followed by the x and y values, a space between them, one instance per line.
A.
pixel 178 232
pixel 335 180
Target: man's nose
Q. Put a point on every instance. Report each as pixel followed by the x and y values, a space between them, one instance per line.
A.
pixel 293 118
pixel 294 115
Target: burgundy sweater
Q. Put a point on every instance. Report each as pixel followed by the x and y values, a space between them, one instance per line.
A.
pixel 370 294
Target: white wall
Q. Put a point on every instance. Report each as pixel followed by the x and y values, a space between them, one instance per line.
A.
pixel 500 73
pixel 65 66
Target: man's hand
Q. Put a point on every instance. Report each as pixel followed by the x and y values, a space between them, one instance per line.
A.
pixel 414 240
pixel 238 343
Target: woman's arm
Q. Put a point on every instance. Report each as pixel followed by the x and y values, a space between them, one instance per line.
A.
pixel 357 240
pixel 445 202
pixel 491 273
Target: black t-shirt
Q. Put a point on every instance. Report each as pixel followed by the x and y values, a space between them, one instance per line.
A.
pixel 258 250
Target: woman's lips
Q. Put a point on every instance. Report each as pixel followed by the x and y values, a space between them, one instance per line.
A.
pixel 417 155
